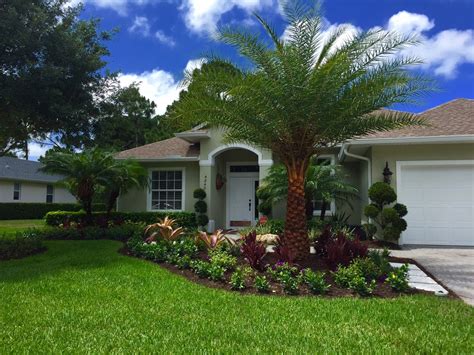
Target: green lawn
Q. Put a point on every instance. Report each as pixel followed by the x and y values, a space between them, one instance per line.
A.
pixel 83 296
pixel 11 227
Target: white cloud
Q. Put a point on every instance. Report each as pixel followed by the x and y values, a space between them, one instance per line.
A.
pixel 140 25
pixel 119 6
pixel 409 23
pixel 202 16
pixel 164 38
pixel 442 52
pixel 194 64
pixel 158 85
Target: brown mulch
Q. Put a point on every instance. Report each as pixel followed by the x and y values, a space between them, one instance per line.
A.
pixel 314 262
pixel 380 244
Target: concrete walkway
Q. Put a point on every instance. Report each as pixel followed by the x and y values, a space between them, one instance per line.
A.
pixel 454 267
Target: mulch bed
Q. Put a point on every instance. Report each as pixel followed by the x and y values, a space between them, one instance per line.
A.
pixel 380 244
pixel 314 262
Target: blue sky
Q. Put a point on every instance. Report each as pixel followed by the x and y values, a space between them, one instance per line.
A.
pixel 158 39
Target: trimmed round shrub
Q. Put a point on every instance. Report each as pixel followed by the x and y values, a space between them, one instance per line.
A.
pixel 263 194
pixel 389 215
pixel 200 206
pixel 265 208
pixel 371 211
pixel 202 220
pixel 382 193
pixel 370 229
pixel 401 209
pixel 391 233
pixel 400 224
pixel 199 193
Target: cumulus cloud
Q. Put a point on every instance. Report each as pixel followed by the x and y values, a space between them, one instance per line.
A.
pixel 202 16
pixel 140 25
pixel 119 6
pixel 442 52
pixel 164 38
pixel 158 85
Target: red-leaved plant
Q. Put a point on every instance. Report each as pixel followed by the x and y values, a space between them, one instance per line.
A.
pixel 283 252
pixel 253 251
pixel 341 251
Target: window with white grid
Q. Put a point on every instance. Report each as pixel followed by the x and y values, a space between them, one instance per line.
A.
pixel 167 190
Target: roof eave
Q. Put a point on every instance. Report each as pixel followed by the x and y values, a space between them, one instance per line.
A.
pixel 193 137
pixel 468 138
pixel 164 159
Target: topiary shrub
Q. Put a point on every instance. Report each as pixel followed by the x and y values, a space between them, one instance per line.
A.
pixel 387 220
pixel 265 204
pixel 200 207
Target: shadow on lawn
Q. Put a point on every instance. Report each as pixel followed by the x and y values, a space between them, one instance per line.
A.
pixel 70 256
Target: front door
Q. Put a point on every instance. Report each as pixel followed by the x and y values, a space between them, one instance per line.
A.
pixel 241 200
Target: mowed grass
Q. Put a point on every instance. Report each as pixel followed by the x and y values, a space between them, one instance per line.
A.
pixel 11 227
pixel 83 296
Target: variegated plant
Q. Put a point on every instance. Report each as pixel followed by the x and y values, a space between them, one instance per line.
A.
pixel 164 228
pixel 214 240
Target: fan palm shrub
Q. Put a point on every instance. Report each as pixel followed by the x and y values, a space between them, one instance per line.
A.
pixel 304 93
pixel 322 183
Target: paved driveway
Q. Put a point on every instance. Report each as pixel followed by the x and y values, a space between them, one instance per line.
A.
pixel 452 266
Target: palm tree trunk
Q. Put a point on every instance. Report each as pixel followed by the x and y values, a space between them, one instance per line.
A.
pixel 296 232
pixel 324 207
pixel 111 201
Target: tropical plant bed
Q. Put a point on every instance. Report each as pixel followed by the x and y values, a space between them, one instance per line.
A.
pixel 382 289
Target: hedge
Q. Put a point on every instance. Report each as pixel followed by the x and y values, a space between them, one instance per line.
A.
pixel 18 210
pixel 19 247
pixel 120 233
pixel 183 219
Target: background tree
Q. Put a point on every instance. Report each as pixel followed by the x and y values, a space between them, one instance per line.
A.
pixel 304 93
pixel 125 120
pixel 50 72
pixel 324 183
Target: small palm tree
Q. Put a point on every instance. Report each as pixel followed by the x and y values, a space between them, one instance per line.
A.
pixel 124 175
pixel 322 183
pixel 303 94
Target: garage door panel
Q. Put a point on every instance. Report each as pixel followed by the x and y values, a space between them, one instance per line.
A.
pixel 440 201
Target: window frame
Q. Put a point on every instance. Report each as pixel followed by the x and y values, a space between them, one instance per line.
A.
pixel 150 189
pixel 15 184
pixel 332 206
pixel 50 194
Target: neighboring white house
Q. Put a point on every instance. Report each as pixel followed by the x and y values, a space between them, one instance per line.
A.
pixel 21 181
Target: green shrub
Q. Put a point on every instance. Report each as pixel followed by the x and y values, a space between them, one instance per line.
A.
pixel 367 268
pixel 381 259
pixel 238 278
pixel 186 220
pixel 202 220
pixel 398 279
pixel 361 286
pixel 201 268
pixel 216 272
pixel 344 275
pixel 17 210
pixel 371 211
pixel 199 194
pixel 151 251
pixel 382 193
pixel 281 270
pixel 265 207
pixel 290 283
pixel 121 233
pixel 200 206
pixel 261 284
pixel 315 281
pixel 400 224
pixel 20 246
pixel 370 229
pixel 401 209
pixel 223 259
pixel 389 215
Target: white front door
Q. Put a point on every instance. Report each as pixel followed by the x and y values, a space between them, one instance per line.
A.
pixel 241 201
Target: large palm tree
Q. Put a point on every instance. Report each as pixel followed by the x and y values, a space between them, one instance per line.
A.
pixel 308 91
pixel 323 182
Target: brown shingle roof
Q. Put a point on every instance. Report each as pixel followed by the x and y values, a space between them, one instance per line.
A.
pixel 166 149
pixel 452 118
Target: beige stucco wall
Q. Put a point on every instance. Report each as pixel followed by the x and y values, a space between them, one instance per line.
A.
pixel 135 200
pixel 409 152
pixel 34 192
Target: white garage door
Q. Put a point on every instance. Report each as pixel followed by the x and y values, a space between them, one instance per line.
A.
pixel 440 200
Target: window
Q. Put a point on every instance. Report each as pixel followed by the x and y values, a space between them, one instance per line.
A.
pixel 167 190
pixel 49 193
pixel 244 169
pixel 16 191
pixel 318 204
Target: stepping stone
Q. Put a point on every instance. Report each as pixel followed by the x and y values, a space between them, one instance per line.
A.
pixel 418 279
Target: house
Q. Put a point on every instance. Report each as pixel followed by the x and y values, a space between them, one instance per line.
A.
pixel 432 167
pixel 21 181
